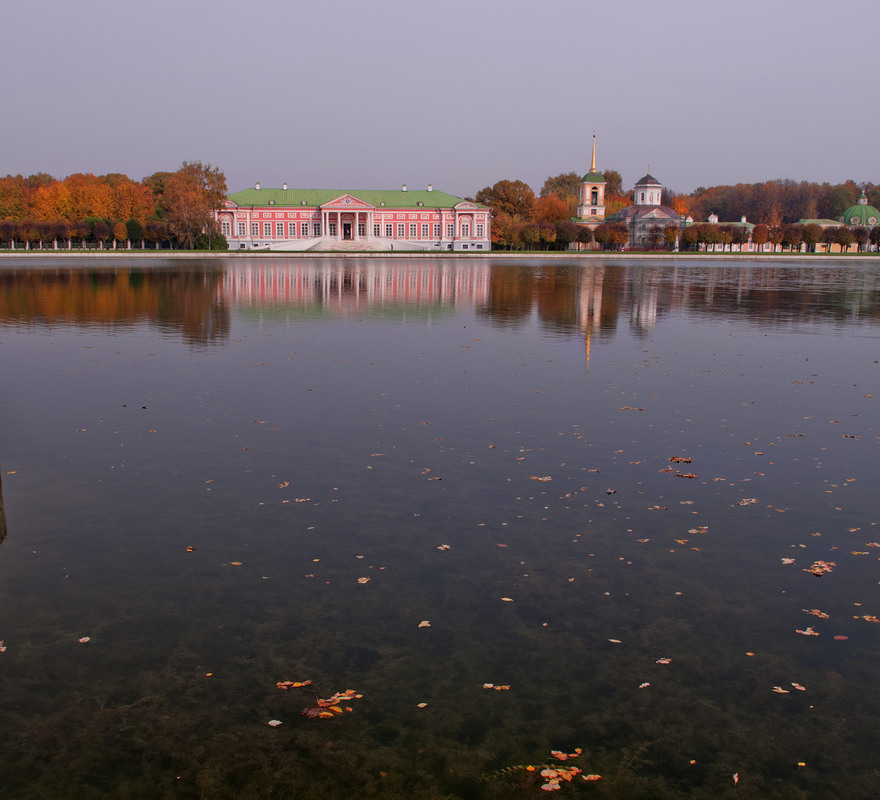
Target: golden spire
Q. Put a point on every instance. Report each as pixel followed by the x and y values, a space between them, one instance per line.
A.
pixel 593 160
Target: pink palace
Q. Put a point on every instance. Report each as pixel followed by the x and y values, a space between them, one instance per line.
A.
pixel 373 219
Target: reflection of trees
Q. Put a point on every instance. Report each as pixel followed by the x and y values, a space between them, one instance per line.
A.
pixel 573 297
pixel 184 302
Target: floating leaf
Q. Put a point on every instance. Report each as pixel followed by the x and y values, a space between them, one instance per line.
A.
pixel 274 722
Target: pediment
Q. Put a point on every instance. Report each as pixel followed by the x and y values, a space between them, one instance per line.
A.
pixel 466 205
pixel 347 202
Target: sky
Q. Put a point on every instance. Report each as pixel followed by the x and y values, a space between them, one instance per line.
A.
pixel 364 94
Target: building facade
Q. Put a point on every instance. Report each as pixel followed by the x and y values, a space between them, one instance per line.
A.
pixel 327 219
pixel 647 212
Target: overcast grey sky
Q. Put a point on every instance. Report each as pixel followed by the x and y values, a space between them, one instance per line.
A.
pixel 458 93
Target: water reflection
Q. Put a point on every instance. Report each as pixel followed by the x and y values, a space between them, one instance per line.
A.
pixel 569 298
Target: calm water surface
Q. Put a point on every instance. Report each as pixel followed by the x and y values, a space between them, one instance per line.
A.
pixel 604 486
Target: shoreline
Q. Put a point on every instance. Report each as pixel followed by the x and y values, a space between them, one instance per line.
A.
pixel 166 255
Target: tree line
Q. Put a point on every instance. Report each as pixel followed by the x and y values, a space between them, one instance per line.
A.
pixel 523 220
pixel 165 208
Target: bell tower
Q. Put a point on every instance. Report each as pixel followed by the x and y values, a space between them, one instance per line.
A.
pixel 591 199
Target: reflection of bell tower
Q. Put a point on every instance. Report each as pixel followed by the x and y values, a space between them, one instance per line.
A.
pixel 591 199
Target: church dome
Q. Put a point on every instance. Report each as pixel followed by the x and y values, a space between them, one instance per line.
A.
pixel 593 177
pixel 648 180
pixel 861 214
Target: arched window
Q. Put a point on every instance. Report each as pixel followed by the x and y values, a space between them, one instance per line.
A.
pixel 594 200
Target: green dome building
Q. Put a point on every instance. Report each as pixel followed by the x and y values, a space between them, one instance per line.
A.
pixel 861 214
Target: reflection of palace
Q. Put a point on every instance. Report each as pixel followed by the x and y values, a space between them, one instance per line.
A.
pixel 344 283
pixel 329 219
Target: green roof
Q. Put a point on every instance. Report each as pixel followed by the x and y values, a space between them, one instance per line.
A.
pixel 593 177
pixel 861 214
pixel 392 198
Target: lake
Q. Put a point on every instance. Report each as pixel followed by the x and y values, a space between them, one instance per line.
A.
pixel 427 528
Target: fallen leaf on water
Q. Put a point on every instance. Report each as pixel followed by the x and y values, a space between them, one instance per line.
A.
pixel 806 632
pixel 799 687
pixel 644 685
pixel 507 599
pixel 819 568
pixel 615 641
pixel 421 705
pixel 780 690
pixel 363 580
pixel 190 549
pixel 664 661
pixel 540 478
pixel 236 563
pixel 84 639
pixel 274 722
pixel 424 624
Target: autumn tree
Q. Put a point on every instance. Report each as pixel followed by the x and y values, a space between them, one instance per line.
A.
pixel 530 235
pixel 190 198
pixel 861 238
pixel 585 235
pixel 760 234
pixel 613 182
pixel 566 186
pixel 566 234
pixel 100 231
pixel 135 231
pixel 7 232
pixel 792 235
pixel 120 232
pixel 812 236
pixel 551 208
pixel 845 238
pixel 508 197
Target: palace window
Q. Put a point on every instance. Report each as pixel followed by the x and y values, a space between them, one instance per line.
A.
pixel 401 230
pixel 225 228
pixel 436 230
pixel 241 229
pixel 304 229
pixel 465 229
pixel 255 229
pixel 412 230
pixel 332 227
pixel 377 229
pixel 267 229
pixel 362 229
pixel 279 229
pixel 424 230
pixel 389 230
pixel 316 229
pixel 291 229
pixel 479 230
pixel 450 230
